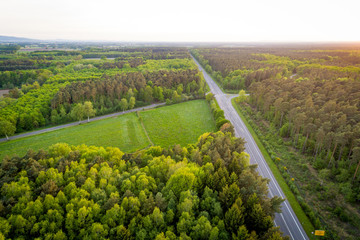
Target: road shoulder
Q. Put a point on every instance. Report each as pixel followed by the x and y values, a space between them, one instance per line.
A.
pixel 304 220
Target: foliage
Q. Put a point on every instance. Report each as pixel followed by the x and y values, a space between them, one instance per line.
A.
pixel 125 131
pixel 94 192
pixel 6 128
pixel 301 179
pixel 306 101
pixel 242 96
pixel 61 80
pixel 218 114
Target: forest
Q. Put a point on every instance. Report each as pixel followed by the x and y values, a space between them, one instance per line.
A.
pixel 206 190
pixel 310 99
pixel 48 93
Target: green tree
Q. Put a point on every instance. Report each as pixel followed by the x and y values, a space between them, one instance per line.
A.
pixel 78 112
pixel 202 229
pixel 89 110
pixel 124 104
pixel 209 97
pixel 241 234
pixel 176 97
pixel 132 102
pixel 234 218
pixel 7 128
pixel 98 231
pixel 60 235
pixel 54 116
pixel 148 94
pixel 242 96
pixel 356 156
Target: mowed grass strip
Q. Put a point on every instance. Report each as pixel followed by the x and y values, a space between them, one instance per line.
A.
pixel 124 132
pixel 181 123
pixel 307 225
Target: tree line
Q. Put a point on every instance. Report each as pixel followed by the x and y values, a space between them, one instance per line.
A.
pixel 10 48
pixel 41 97
pixel 322 118
pixel 11 79
pixel 53 103
pixel 237 68
pixel 305 105
pixel 317 106
pixel 126 91
pixel 23 64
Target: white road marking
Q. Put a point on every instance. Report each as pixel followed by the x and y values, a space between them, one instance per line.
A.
pixel 239 126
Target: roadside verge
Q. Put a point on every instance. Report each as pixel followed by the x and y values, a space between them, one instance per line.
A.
pixel 304 220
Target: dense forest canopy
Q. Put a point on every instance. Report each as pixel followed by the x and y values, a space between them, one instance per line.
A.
pixel 237 68
pixel 311 98
pixel 63 79
pixel 203 191
pixel 306 95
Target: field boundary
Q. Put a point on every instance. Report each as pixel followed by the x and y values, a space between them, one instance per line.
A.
pixel 143 126
pixel 303 218
pixel 50 129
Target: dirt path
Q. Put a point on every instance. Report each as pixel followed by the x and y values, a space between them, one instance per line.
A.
pixel 2 92
pixel 77 123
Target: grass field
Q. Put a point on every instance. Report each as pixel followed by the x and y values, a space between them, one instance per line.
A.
pixel 307 225
pixel 180 123
pixel 124 131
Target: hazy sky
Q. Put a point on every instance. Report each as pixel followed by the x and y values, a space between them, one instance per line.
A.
pixel 183 20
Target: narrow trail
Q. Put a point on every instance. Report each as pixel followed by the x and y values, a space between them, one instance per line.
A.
pixel 143 126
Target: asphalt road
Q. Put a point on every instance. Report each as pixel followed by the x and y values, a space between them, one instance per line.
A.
pixel 77 123
pixel 287 220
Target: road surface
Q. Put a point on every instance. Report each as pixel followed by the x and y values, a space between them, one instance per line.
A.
pixel 287 220
pixel 77 123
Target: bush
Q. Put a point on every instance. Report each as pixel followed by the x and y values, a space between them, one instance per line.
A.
pixel 221 122
pixel 209 97
pixel 319 163
pixel 219 114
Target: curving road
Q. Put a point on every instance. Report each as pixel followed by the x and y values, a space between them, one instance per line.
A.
pixel 287 220
pixel 77 123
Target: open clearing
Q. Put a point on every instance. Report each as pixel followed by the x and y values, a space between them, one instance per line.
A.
pixel 124 132
pixel 180 123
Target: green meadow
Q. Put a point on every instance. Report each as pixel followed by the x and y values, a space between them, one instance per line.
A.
pixel 180 124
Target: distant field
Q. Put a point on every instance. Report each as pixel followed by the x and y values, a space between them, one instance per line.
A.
pixel 180 123
pixel 124 132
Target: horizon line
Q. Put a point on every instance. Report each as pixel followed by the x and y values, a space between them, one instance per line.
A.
pixel 25 39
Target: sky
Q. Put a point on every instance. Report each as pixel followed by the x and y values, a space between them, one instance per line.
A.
pixel 183 21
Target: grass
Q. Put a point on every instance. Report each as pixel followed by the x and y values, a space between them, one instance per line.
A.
pixel 304 220
pixel 179 123
pixel 124 131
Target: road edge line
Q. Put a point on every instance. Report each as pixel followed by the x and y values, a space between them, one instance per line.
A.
pixel 279 178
